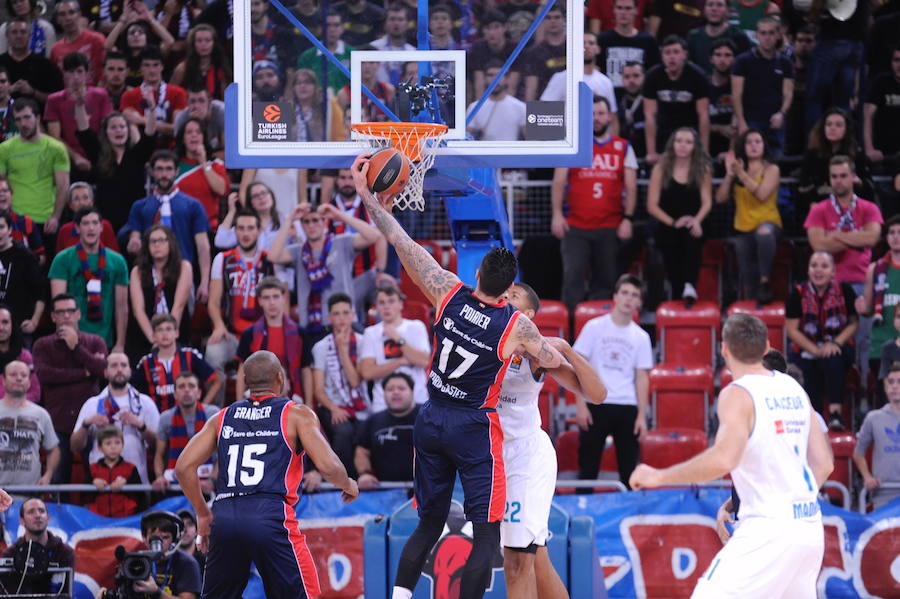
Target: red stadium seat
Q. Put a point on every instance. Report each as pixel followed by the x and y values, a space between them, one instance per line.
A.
pixel 725 377
pixel 567 458
pixel 552 319
pixel 688 335
pixel 709 283
pixel 587 311
pixel 551 396
pixel 664 447
pixel 434 248
pixel 452 261
pixel 680 396
pixel 410 289
pixel 842 445
pixel 414 310
pixel 771 314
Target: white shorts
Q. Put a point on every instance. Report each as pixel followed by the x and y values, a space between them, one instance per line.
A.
pixel 530 464
pixel 766 559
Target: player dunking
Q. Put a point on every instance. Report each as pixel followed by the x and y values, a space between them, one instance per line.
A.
pixel 260 443
pixel 778 458
pixel 458 429
pixel 530 461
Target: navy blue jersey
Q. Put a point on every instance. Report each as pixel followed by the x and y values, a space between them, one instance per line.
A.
pixel 466 366
pixel 254 453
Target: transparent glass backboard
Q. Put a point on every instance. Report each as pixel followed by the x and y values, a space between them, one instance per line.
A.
pixel 500 80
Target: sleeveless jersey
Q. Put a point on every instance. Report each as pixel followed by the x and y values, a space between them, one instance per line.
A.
pixel 466 368
pixel 773 478
pixel 254 454
pixel 518 407
pixel 595 192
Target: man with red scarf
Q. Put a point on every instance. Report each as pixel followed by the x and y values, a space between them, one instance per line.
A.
pixel 232 292
pixel 280 335
pixel 324 262
pixel 97 277
pixel 176 427
pixel 338 387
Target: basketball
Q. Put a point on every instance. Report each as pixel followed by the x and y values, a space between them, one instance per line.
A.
pixel 388 171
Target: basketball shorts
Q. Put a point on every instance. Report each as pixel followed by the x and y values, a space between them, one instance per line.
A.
pixel 451 439
pixel 766 558
pixel 261 529
pixel 530 483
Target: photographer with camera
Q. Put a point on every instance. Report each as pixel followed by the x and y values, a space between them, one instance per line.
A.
pixel 160 571
pixel 35 551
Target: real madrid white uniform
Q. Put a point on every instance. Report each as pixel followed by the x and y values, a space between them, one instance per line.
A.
pixel 529 458
pixel 777 550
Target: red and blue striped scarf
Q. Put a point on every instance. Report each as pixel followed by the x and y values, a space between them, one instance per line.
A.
pixel 178 435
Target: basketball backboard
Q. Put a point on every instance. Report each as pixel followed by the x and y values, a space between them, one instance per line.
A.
pixel 284 125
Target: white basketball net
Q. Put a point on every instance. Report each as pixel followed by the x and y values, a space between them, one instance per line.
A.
pixel 417 141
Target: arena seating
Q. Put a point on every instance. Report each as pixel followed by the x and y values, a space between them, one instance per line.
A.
pixel 688 335
pixel 567 458
pixel 664 447
pixel 709 283
pixel 414 310
pixel 771 314
pixel 842 445
pixel 586 311
pixel 553 319
pixel 680 396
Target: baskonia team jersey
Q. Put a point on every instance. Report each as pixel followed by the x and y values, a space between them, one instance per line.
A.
pixel 518 407
pixel 773 478
pixel 466 365
pixel 254 454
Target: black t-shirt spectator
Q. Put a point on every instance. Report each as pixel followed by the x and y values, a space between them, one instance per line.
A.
pixel 763 79
pixel 884 93
pixel 675 99
pixel 21 282
pixel 37 70
pixel 481 54
pixel 616 50
pixel 543 61
pixel 721 111
pixel 361 28
pixel 631 120
pixel 881 39
pixel 179 573
pixel 389 440
pixel 676 17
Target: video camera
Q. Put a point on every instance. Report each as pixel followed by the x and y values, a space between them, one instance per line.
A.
pixel 413 99
pixel 31 573
pixel 138 565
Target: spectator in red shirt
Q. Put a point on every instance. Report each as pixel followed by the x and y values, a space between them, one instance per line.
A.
pixel 81 195
pixel 200 175
pixel 59 113
pixel 602 200
pixel 76 38
pixel 166 99
pixel 111 473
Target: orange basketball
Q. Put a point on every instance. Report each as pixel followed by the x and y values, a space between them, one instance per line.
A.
pixel 388 171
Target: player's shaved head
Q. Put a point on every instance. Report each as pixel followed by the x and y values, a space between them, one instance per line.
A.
pixel 261 372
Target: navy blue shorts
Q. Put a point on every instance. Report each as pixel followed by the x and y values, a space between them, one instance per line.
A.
pixel 450 439
pixel 261 529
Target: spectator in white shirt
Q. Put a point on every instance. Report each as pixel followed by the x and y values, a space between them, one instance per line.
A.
pixel 599 83
pixel 394 345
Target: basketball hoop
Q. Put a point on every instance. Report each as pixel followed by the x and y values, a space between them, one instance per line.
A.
pixel 417 141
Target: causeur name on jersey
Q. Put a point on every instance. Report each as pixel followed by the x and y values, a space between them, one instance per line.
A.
pixel 784 403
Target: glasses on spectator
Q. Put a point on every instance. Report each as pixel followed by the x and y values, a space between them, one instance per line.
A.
pixel 158 240
pixel 309 221
pixel 259 194
pixel 65 311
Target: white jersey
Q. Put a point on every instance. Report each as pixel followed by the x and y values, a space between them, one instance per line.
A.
pixel 518 405
pixel 773 478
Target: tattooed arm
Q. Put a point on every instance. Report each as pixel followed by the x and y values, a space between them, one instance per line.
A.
pixel 525 335
pixel 426 273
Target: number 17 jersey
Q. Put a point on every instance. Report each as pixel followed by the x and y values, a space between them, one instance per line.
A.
pixel 467 367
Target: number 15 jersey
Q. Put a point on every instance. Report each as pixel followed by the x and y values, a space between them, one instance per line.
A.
pixel 255 456
pixel 466 364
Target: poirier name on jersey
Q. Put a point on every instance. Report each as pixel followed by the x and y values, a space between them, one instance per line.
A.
pixel 773 478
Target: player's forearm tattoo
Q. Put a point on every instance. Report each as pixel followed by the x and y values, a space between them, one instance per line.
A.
pixel 415 259
pixel 529 335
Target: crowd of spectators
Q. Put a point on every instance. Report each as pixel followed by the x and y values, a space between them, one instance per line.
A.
pixel 134 280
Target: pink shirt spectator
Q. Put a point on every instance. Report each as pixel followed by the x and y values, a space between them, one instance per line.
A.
pixel 34 393
pixel 61 108
pixel 851 264
pixel 91 44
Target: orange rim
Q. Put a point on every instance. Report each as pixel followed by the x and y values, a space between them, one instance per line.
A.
pixel 404 136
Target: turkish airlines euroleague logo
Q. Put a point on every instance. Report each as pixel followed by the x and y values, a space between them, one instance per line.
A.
pixel 272 113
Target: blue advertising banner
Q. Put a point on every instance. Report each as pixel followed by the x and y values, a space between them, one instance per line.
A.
pixel 651 544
